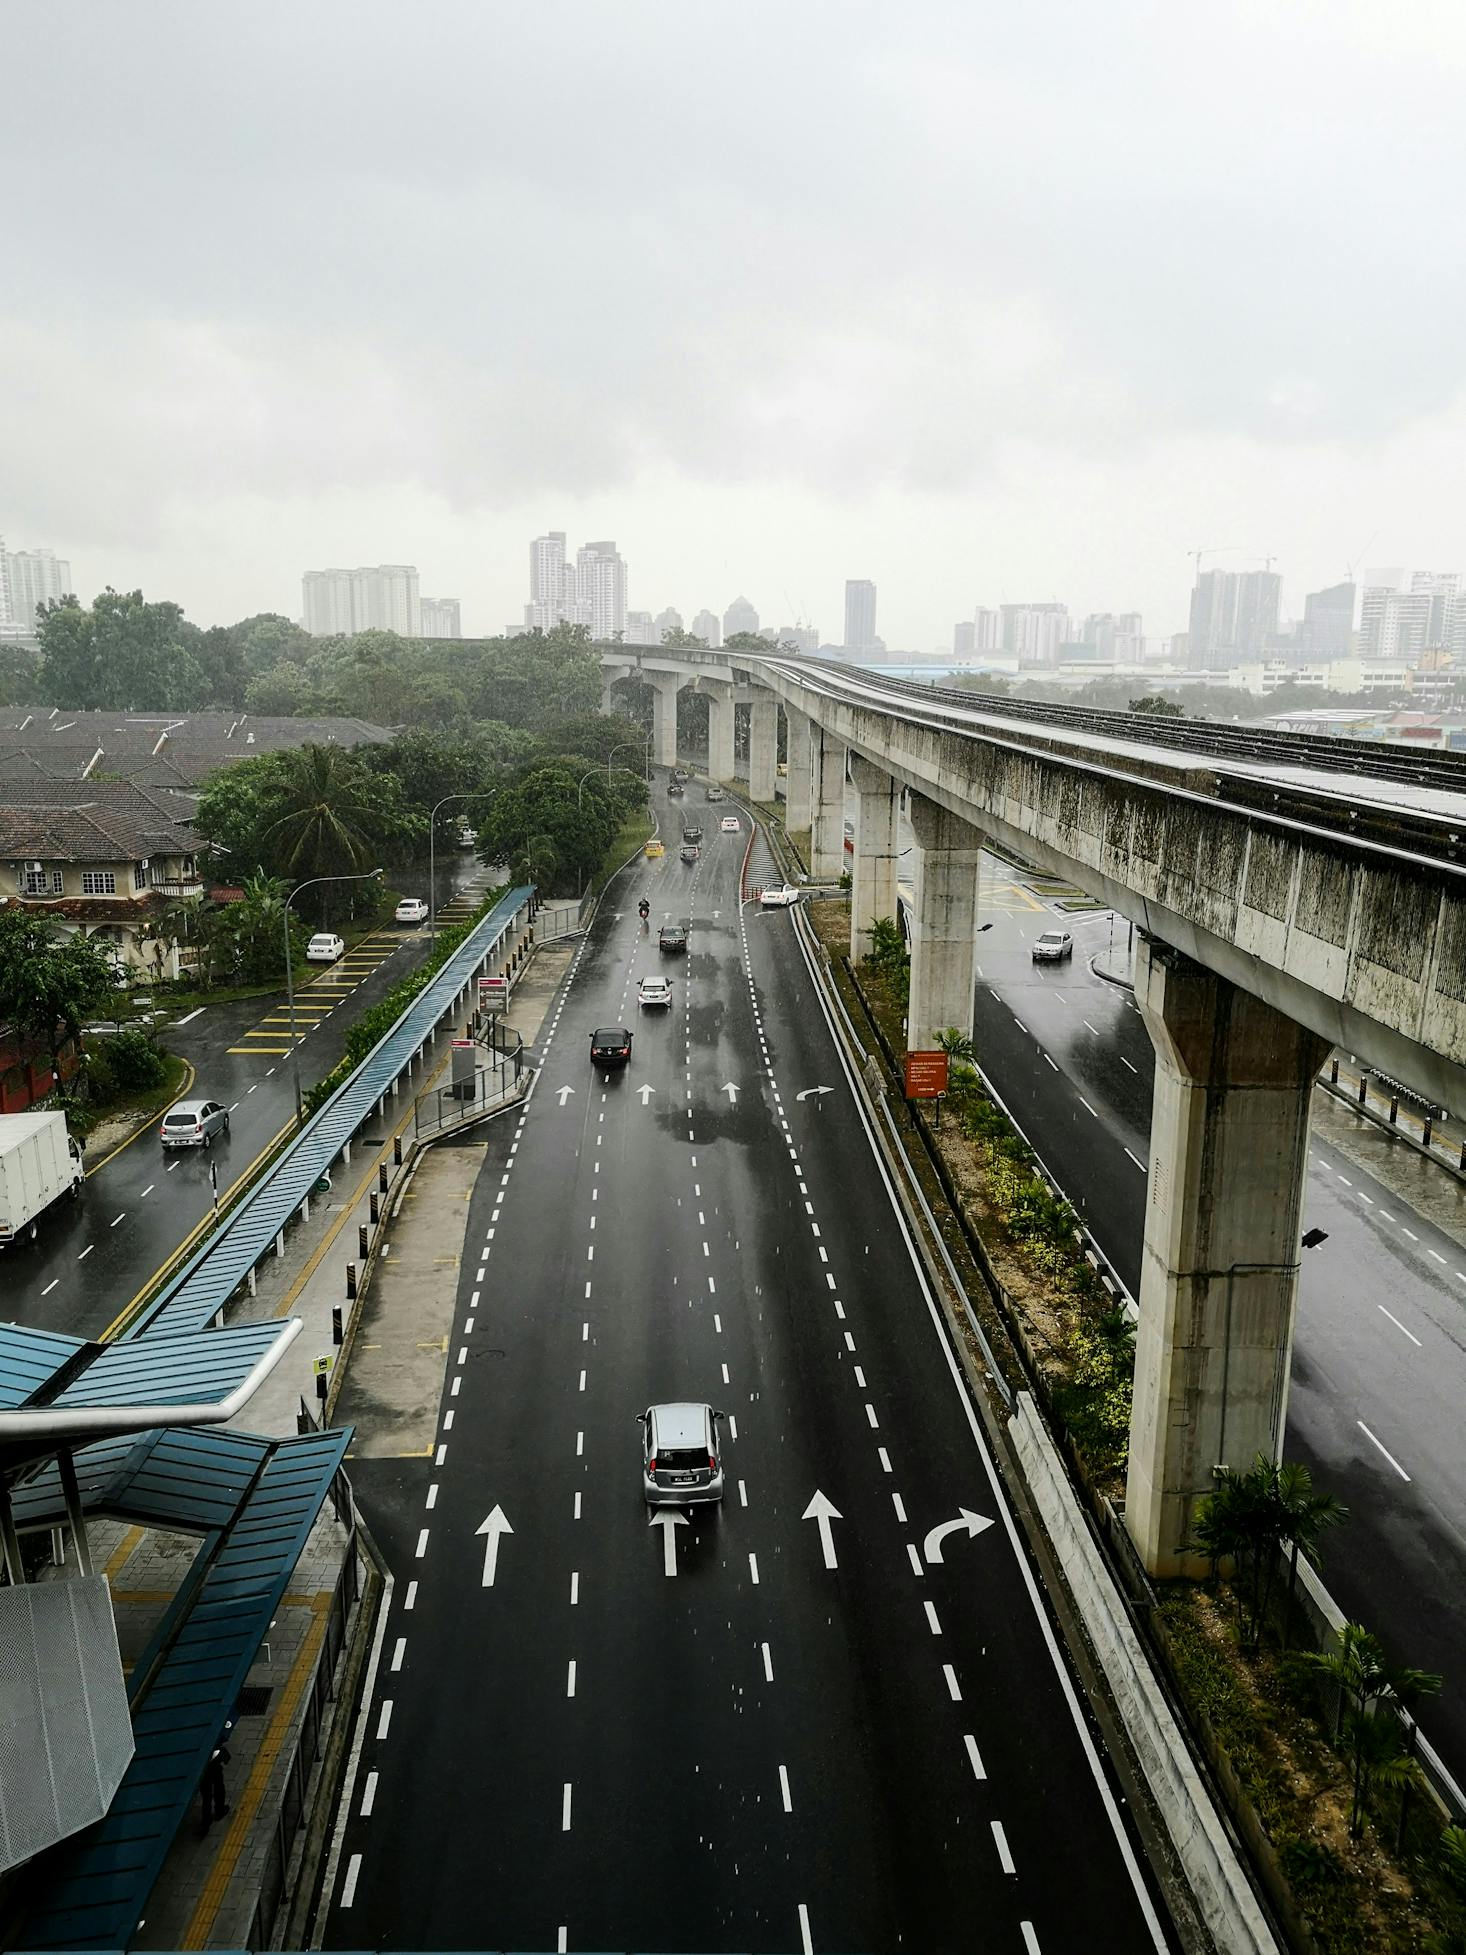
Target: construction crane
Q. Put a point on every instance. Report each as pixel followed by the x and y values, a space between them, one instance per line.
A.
pixel 1211 550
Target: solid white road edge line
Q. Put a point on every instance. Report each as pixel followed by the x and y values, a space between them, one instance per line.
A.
pixel 353 1762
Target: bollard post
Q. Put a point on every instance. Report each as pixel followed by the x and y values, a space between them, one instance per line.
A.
pixel 335 1323
pixel 1394 1108
pixel 1429 1123
pixel 1334 1073
pixel 1363 1087
pixel 361 1240
pixel 280 1243
pixel 250 1279
pixel 321 1386
pixel 381 1177
pixel 397 1150
pixel 375 1215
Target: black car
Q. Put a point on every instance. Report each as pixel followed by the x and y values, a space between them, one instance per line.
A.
pixel 692 835
pixel 676 787
pixel 672 936
pixel 610 1046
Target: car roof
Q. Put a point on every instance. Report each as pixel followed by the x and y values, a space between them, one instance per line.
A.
pixel 1053 933
pixel 187 1109
pixel 611 1032
pixel 683 1423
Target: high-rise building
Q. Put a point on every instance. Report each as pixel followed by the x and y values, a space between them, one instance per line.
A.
pixel 1115 636
pixel 551 584
pixel 739 616
pixel 987 630
pixel 705 625
pixel 1399 625
pixel 804 638
pixel 383 598
pixel 964 639
pixel 668 620
pixel 860 614
pixel 1234 617
pixel 1327 631
pixel 641 629
pixel 29 578
pixel 600 589
pixel 1033 633
pixel 440 618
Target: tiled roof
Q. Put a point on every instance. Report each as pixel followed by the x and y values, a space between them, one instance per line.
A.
pixel 119 797
pixel 88 835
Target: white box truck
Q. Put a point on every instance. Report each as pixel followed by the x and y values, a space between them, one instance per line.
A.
pixel 39 1162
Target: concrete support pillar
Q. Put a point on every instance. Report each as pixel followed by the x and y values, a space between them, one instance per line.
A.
pixel 873 879
pixel 720 730
pixel 799 775
pixel 944 941
pixel 763 746
pixel 827 827
pixel 1219 1273
pixel 10 1540
pixel 664 719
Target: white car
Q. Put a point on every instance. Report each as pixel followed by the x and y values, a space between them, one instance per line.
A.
pixel 731 824
pixel 324 948
pixel 412 909
pixel 779 896
pixel 1052 945
pixel 654 991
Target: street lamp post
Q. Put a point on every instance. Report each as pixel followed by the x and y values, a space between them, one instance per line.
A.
pixel 468 794
pixel 367 875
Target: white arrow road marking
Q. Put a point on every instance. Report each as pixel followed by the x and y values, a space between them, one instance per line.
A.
pixel 646 1093
pixel 732 1091
pixel 824 1511
pixel 495 1526
pixel 563 1093
pixel 969 1524
pixel 811 1091
pixel 667 1518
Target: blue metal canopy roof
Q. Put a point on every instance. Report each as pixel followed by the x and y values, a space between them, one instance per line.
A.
pixel 86 1391
pixel 191 1479
pixel 202 1287
pixel 91 1890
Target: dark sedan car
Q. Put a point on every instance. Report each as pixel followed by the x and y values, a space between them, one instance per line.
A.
pixel 610 1046
pixel 672 936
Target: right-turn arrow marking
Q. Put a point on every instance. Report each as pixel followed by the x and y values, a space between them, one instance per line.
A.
pixel 969 1524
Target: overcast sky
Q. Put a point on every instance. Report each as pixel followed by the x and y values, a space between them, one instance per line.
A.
pixel 986 302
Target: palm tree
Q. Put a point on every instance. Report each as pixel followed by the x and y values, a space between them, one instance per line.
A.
pixel 331 819
pixel 1249 1520
pixel 1372 1695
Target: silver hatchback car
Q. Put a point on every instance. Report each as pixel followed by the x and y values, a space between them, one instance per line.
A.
pixel 194 1123
pixel 680 1466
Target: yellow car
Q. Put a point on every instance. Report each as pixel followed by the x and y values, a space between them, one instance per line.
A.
pixel 654 848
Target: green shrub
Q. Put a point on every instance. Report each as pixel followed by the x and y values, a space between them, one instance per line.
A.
pixel 136 1061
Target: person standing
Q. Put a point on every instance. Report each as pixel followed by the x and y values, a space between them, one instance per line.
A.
pixel 211 1786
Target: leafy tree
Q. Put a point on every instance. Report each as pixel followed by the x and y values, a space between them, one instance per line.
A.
pixel 888 956
pixel 19 676
pixel 746 641
pixel 678 640
pixel 245 941
pixel 597 736
pixel 1158 706
pixel 50 982
pixel 332 814
pixel 267 640
pixel 551 826
pixel 283 689
pixel 123 652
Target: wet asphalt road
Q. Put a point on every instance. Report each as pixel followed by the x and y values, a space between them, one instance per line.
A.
pixel 1381 1330
pixel 756 1751
pixel 94 1256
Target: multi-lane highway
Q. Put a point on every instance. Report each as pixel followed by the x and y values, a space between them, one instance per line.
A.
pixel 1379 1362
pixel 829 1715
pixel 139 1205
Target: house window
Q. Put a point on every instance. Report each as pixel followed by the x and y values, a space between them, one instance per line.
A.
pixel 98 882
pixel 58 882
pixel 33 881
pixel 139 876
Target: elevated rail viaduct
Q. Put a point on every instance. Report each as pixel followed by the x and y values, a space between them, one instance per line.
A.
pixel 1291 893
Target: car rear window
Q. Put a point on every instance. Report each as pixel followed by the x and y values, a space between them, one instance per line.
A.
pixel 180 1120
pixel 683 1458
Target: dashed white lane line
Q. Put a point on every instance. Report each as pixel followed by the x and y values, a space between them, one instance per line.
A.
pixel 1087 1107
pixel 1030 1938
pixel 1384 1449
pixel 1140 1164
pixel 117 1218
pixel 1437 1254
pixel 1410 1232
pixel 565 1809
pixel 870 1413
pixel 384 1719
pixel 577 1506
pixel 768 1664
pixel 1344 1179
pixel 422 1543
pixel 582 1381
pixel 570 1678
pixel 915 1559
pixel 1399 1326
pixel 1093 1028
pixel 1050 1063
pixel 432 1499
pixel 885 1459
pixel 563 1941
pixel 50 1286
pixel 369 1795
pixel 753 1569
pixel 954 1689
pixel 399 1650
pixel 931 1616
pixel 979 1770
pixel 784 1789
pixel 804 1941
pixel 353 1872
pixel 1000 1841
pixel 147 1191
pixel 574 1590
pixel 742 1493
pixel 900 1505
pixel 1125 1062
